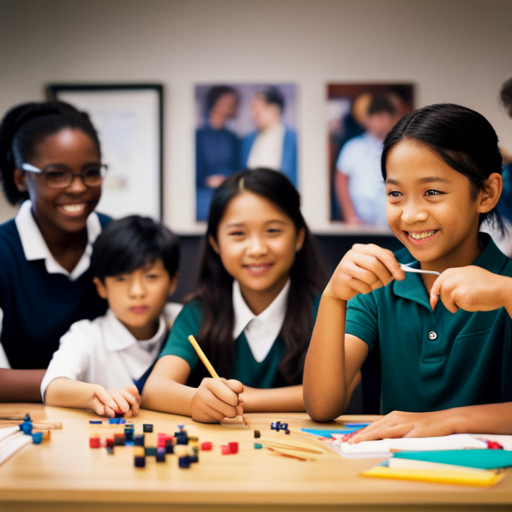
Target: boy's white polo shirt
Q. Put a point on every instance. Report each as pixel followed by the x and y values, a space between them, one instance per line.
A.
pixel 260 330
pixel 103 351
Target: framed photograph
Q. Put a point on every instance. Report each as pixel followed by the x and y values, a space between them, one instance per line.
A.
pixel 129 123
pixel 242 126
pixel 359 116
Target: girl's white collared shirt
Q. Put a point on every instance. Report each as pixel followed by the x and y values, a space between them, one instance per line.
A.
pixel 260 330
pixel 35 247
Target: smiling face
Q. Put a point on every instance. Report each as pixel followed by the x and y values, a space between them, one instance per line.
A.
pixel 138 298
pixel 61 209
pixel 432 208
pixel 257 242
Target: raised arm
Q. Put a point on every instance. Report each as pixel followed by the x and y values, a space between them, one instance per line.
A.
pixel 334 359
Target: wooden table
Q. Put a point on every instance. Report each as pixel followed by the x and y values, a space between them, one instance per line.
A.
pixel 64 474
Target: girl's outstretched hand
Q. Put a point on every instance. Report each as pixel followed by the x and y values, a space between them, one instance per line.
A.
pixel 471 289
pixel 108 402
pixel 216 399
pixel 363 269
pixel 405 424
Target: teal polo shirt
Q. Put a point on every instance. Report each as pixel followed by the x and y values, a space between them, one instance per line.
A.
pixel 246 369
pixel 436 360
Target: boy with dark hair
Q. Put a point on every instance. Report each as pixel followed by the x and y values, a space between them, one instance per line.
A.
pixel 103 364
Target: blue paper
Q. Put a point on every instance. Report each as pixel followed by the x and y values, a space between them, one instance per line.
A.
pixel 327 432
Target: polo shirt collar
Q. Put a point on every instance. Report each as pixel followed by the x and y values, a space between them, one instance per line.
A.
pixel 260 330
pixel 412 287
pixel 117 337
pixel 35 248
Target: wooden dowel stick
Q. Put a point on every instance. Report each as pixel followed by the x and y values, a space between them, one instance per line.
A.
pixel 290 444
pixel 294 454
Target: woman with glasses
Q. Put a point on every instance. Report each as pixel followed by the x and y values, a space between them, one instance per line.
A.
pixel 50 163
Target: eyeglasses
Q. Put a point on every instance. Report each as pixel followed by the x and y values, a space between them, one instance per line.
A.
pixel 61 177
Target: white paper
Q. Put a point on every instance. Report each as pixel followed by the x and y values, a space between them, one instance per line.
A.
pixel 384 447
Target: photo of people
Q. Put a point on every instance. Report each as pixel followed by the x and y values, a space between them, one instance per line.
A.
pixel 242 126
pixel 359 118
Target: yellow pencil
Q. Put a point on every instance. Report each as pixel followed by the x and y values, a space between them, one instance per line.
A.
pixel 212 371
pixel 203 357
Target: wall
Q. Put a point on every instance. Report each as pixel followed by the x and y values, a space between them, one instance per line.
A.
pixel 452 50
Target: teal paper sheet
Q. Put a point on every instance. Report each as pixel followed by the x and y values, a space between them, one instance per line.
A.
pixel 478 459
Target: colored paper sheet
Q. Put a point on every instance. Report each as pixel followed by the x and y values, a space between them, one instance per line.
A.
pixel 384 447
pixel 479 479
pixel 395 463
pixel 479 459
pixel 328 432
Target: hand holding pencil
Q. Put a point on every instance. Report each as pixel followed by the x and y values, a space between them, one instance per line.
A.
pixel 216 398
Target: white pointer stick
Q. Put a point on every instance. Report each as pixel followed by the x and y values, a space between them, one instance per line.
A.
pixel 406 268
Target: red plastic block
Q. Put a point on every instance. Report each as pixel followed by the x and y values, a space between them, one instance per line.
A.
pixel 207 446
pixel 94 442
pixel 233 447
pixel 225 449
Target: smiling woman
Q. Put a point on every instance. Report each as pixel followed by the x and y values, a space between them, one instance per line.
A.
pixel 50 161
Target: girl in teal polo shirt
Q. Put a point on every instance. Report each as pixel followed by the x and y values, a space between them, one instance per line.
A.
pixel 253 312
pixel 446 365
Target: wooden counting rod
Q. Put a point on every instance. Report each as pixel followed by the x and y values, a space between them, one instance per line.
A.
pixel 289 444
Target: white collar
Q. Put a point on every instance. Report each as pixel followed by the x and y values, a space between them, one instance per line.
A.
pixel 260 330
pixel 118 337
pixel 35 247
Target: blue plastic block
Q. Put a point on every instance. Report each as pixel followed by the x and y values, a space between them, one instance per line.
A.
pixel 160 454
pixel 26 427
pixel 37 438
pixel 184 462
pixel 140 462
pixel 139 440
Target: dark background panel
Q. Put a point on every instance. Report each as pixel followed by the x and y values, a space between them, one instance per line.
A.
pixel 332 248
pixel 366 398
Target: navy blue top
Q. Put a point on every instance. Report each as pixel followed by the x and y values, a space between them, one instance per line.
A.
pixel 217 152
pixel 38 307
